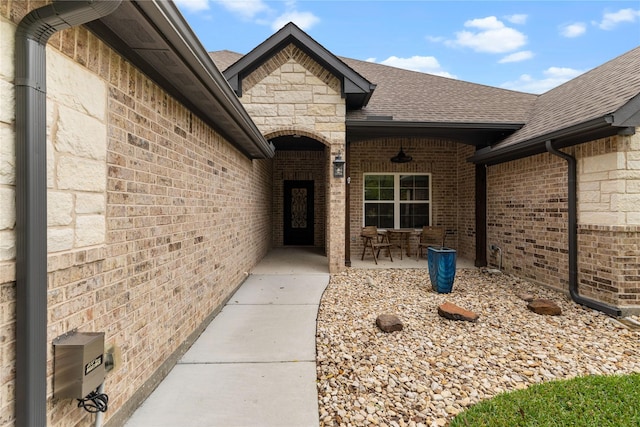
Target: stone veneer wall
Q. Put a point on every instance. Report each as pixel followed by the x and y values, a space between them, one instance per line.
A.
pixel 299 165
pixel 154 219
pixel 292 94
pixel 527 218
pixel 438 157
pixel 609 220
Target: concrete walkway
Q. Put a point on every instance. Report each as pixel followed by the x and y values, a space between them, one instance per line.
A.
pixel 254 365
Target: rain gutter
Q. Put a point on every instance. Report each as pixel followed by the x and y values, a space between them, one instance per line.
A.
pixel 465 132
pixel 573 236
pixel 32 35
pixel 582 132
pixel 375 122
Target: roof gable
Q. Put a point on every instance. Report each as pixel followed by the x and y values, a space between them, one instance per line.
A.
pixel 355 89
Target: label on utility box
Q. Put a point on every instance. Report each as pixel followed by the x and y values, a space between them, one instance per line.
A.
pixel 92 365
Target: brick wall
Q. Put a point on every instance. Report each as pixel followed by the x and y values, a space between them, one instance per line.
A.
pixel 527 219
pixel 187 216
pixel 154 218
pixel 466 209
pixel 435 156
pixel 609 264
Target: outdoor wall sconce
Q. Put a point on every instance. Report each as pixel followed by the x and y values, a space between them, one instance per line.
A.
pixel 338 166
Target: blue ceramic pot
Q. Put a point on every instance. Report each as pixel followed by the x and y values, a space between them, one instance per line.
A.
pixel 442 268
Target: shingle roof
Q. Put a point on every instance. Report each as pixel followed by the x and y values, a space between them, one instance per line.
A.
pixel 589 96
pixel 413 96
pixel 418 97
pixel 224 58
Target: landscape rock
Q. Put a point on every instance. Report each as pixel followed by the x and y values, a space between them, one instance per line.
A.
pixel 389 323
pixel 526 296
pixel 433 368
pixel 545 307
pixel 453 312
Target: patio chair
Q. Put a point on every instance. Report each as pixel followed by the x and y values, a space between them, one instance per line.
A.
pixel 430 236
pixel 373 240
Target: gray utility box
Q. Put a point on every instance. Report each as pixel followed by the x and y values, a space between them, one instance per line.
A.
pixel 78 365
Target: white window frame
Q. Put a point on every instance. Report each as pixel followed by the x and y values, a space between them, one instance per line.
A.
pixel 396 195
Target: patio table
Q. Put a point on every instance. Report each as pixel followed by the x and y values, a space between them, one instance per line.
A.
pixel 403 238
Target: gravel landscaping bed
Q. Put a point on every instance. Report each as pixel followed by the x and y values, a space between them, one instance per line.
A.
pixel 435 368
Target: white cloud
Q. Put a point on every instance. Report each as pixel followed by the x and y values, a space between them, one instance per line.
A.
pixel 304 20
pixel 492 36
pixel 517 19
pixel 488 23
pixel 573 30
pixel 523 55
pixel 423 64
pixel 552 77
pixel 193 5
pixel 246 9
pixel 611 20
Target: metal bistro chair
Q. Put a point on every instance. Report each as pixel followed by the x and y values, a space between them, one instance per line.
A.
pixel 373 240
pixel 430 236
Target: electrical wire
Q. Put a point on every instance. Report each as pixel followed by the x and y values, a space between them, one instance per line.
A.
pixel 94 402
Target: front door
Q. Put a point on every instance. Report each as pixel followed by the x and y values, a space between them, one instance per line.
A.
pixel 298 213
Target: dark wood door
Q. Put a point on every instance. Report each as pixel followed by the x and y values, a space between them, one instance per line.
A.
pixel 298 213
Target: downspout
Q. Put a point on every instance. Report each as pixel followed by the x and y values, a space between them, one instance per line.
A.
pixel 573 236
pixel 32 35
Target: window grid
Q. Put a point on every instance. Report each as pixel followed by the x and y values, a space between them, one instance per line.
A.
pixel 397 200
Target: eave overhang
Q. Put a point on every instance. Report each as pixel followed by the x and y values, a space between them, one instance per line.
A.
pixel 628 114
pixel 591 130
pixel 476 134
pixel 154 37
pixel 355 89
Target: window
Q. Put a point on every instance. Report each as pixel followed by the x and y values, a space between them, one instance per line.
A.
pixel 397 200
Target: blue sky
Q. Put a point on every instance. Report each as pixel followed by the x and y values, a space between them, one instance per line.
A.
pixel 530 46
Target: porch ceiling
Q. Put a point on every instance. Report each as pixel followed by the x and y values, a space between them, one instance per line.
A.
pixel 296 143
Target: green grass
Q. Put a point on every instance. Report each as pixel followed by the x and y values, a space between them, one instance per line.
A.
pixel 592 401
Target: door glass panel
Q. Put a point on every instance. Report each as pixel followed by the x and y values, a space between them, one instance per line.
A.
pixel 298 208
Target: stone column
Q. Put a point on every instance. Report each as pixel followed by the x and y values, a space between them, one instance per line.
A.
pixel 336 192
